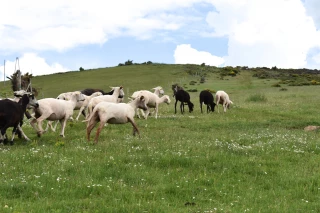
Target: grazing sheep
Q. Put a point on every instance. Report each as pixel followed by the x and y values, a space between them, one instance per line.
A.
pixel 55 109
pixel 114 113
pixel 118 91
pixel 12 113
pixel 184 97
pixel 157 91
pixel 207 98
pixel 223 98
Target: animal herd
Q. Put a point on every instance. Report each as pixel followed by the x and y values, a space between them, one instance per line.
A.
pixel 96 106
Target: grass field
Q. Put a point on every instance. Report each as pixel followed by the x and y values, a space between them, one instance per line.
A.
pixel 254 158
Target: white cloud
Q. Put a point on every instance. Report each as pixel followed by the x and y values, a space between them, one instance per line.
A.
pixel 265 32
pixel 313 8
pixel 316 58
pixel 185 54
pixel 60 25
pixel 33 64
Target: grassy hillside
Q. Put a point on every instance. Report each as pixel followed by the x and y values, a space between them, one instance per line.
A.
pixel 254 158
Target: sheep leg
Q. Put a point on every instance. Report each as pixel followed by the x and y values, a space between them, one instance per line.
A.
pixel 23 134
pixel 102 123
pixel 39 121
pixel 3 135
pixel 55 126
pixel 81 111
pixel 146 113
pixel 175 107
pixel 137 112
pixel 63 123
pixel 182 107
pixel 135 128
pixel 156 110
pixel 201 106
pixel 91 124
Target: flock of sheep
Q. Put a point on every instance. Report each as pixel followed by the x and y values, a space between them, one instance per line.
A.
pixel 96 106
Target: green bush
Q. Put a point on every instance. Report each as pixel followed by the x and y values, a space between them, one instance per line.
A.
pixel 257 98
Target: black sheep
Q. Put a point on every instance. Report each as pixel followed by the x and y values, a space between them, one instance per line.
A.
pixel 12 113
pixel 207 98
pixel 184 97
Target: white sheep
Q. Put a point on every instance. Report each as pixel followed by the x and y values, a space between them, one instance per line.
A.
pixel 55 109
pixel 153 101
pixel 157 91
pixel 63 96
pixel 86 102
pixel 117 91
pixel 223 98
pixel 114 113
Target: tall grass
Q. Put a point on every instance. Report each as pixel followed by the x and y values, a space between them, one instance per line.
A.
pixel 253 158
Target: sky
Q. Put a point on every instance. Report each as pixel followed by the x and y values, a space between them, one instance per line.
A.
pixel 63 35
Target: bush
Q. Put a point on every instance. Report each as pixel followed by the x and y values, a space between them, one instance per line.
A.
pixel 192 90
pixel 129 62
pixel 81 69
pixel 276 85
pixel 257 98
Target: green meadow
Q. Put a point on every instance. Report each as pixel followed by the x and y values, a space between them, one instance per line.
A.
pixel 256 157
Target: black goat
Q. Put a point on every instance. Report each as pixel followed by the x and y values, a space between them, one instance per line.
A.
pixel 184 97
pixel 207 98
pixel 12 113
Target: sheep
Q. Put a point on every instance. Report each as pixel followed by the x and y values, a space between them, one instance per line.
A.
pixel 118 91
pixel 223 98
pixel 153 101
pixel 86 102
pixel 184 97
pixel 114 113
pixel 90 91
pixel 175 88
pixel 157 91
pixel 55 109
pixel 12 113
pixel 207 98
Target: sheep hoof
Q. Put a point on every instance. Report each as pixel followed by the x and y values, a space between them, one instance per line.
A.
pixel 11 143
pixel 39 133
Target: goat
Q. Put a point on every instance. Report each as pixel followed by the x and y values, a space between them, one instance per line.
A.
pixel 207 98
pixel 118 91
pixel 157 91
pixel 114 113
pixel 12 113
pixel 223 98
pixel 55 109
pixel 184 97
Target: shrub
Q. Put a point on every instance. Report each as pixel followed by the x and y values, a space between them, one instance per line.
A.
pixel 81 69
pixel 276 85
pixel 192 90
pixel 257 98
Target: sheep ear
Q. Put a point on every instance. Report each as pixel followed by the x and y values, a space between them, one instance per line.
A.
pixel 142 98
pixel 121 87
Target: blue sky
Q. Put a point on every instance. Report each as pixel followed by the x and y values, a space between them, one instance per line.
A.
pixel 60 36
